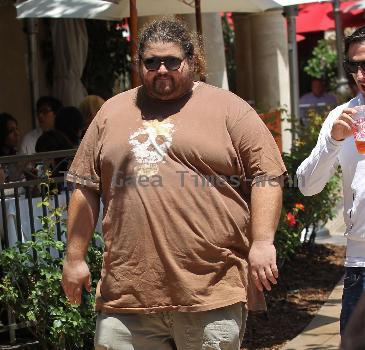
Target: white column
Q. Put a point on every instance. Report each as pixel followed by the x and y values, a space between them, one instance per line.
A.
pixel 213 47
pixel 270 65
pixel 262 64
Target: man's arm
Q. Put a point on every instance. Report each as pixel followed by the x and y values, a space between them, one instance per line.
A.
pixel 82 217
pixel 266 202
pixel 318 168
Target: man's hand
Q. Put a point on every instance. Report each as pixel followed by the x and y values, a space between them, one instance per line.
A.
pixel 342 125
pixel 83 214
pixel 262 263
pixel 75 275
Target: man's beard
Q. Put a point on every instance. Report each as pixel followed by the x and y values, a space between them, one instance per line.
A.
pixel 163 88
pixel 169 89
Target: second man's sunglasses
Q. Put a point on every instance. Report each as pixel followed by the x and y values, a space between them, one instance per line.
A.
pixel 353 66
pixel 155 62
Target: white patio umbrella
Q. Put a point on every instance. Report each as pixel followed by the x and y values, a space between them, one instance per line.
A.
pixel 70 45
pixel 359 5
pixel 118 9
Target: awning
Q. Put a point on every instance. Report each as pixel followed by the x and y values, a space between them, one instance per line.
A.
pixel 99 9
pixel 319 17
pixel 118 9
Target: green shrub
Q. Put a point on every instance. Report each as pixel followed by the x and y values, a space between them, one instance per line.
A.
pixel 323 63
pixel 30 284
pixel 300 212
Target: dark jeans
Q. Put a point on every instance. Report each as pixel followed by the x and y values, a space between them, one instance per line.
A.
pixel 354 285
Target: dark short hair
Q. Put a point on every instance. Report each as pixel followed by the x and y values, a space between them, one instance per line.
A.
pixel 69 120
pixel 356 37
pixel 50 101
pixel 5 118
pixel 173 31
pixel 53 140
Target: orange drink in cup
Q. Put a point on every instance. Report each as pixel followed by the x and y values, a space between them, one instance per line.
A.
pixel 358 128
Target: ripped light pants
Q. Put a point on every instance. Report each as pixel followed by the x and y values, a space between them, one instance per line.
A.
pixel 218 329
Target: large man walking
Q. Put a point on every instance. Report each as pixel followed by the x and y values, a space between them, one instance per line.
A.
pixel 189 178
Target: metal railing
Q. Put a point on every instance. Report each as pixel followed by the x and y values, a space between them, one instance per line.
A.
pixel 304 109
pixel 22 191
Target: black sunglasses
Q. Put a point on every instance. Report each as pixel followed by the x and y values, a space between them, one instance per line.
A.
pixel 353 66
pixel 155 62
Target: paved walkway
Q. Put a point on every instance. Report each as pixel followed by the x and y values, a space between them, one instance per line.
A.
pixel 323 331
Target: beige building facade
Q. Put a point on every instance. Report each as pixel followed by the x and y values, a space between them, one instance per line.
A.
pixel 262 63
pixel 15 84
pixel 261 58
pixel 15 95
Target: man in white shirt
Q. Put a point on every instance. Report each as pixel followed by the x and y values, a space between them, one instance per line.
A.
pixel 336 146
pixel 47 107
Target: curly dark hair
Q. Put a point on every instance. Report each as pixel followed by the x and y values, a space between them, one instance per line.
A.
pixel 356 37
pixel 168 30
pixel 51 102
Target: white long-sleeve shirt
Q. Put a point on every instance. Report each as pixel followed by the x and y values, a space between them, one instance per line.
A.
pixel 317 169
pixel 29 141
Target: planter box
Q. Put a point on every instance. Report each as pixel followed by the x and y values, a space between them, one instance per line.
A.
pixel 273 123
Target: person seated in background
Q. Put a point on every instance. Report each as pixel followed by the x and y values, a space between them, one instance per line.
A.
pixel 47 107
pixel 9 135
pixel 317 98
pixel 9 141
pixel 89 107
pixel 54 140
pixel 69 121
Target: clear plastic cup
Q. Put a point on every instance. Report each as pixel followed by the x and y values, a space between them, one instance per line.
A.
pixel 358 128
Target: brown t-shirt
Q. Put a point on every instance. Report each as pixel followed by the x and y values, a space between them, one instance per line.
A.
pixel 175 180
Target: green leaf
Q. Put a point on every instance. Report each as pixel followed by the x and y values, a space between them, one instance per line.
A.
pixel 57 323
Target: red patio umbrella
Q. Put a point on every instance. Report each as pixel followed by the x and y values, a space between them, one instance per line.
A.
pixel 319 17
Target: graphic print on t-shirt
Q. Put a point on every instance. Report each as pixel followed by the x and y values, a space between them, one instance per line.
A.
pixel 150 144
